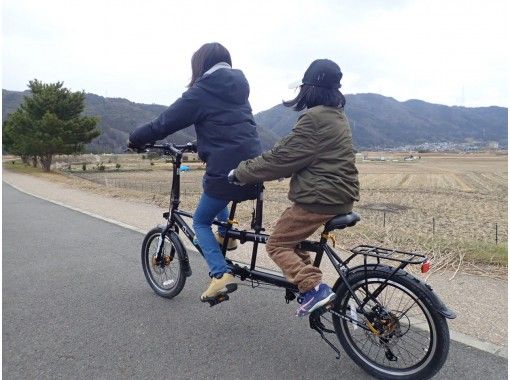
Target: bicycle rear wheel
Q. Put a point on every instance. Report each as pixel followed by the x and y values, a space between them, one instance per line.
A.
pixel 165 276
pixel 402 337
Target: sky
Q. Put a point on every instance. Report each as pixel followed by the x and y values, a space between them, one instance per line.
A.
pixel 452 52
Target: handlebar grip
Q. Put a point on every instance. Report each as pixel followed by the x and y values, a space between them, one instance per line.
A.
pixel 188 147
pixel 174 149
pixel 192 146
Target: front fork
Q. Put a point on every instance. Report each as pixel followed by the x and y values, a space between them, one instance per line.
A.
pixel 166 230
pixel 161 243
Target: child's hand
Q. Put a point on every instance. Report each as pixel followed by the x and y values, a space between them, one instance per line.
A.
pixel 233 179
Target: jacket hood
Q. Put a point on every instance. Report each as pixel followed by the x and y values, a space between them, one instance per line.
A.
pixel 227 84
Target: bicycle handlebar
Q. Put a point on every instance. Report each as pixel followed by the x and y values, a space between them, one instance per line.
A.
pixel 174 149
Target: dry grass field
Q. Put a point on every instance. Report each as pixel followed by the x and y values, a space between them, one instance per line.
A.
pixel 452 206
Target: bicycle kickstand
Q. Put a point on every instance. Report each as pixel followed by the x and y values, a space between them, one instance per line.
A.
pixel 317 325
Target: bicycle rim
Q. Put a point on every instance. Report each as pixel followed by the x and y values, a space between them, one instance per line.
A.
pixel 411 340
pixel 163 275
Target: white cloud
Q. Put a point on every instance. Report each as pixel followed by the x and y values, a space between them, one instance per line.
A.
pixel 444 52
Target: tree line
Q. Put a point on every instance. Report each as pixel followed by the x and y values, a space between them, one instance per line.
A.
pixel 47 123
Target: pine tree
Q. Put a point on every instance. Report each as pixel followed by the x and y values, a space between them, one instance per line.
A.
pixel 49 122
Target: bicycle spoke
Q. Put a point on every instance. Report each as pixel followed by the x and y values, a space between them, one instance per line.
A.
pixel 400 355
pixel 412 346
pixel 366 341
pixel 165 273
pixel 407 344
pixel 405 312
pixel 398 307
pixel 414 340
pixel 409 354
pixel 392 294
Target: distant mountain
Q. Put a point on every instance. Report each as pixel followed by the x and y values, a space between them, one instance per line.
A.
pixel 382 122
pixel 376 121
pixel 117 118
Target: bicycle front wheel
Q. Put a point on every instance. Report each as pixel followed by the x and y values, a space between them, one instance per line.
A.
pixel 401 336
pixel 165 275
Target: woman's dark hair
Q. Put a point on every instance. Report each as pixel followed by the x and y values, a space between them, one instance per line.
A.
pixel 311 96
pixel 206 57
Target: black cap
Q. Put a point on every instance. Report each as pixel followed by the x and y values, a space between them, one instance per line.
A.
pixel 323 73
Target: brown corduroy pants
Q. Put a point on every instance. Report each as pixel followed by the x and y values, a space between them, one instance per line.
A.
pixel 295 225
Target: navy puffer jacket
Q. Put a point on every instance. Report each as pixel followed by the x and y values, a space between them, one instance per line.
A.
pixel 217 104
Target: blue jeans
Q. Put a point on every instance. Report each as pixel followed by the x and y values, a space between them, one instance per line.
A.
pixel 208 208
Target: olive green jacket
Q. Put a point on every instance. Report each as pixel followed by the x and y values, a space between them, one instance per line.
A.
pixel 319 156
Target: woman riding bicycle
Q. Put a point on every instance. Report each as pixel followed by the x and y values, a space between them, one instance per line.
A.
pixel 319 156
pixel 216 103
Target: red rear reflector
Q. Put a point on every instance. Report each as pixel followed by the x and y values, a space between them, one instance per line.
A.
pixel 425 266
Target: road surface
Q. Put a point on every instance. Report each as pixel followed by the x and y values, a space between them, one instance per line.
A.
pixel 76 305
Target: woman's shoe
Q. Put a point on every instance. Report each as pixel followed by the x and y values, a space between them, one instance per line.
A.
pixel 232 243
pixel 223 285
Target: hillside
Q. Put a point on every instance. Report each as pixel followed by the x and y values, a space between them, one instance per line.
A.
pixel 382 122
pixel 117 118
pixel 377 122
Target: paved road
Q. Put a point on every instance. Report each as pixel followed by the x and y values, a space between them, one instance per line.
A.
pixel 76 305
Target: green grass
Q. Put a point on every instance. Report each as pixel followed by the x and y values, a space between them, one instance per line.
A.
pixel 476 252
pixel 440 248
pixel 19 167
pixel 487 253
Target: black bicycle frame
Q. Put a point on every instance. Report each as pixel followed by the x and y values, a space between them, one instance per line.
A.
pixel 176 222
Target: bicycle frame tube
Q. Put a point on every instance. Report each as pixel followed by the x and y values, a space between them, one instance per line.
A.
pixel 175 191
pixel 341 267
pixel 244 272
pixel 176 217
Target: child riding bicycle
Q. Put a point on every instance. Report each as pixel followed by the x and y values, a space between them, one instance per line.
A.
pixel 216 103
pixel 318 155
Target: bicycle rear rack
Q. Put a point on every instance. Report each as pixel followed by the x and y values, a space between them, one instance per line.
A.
pixel 380 253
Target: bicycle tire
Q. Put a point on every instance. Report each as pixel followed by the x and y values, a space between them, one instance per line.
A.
pixel 175 256
pixel 438 347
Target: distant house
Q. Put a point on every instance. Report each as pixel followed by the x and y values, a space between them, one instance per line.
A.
pixel 360 157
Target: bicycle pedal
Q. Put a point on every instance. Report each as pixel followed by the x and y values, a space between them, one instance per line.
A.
pixel 214 301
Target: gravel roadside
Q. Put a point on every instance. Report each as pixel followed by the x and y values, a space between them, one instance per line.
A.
pixel 481 303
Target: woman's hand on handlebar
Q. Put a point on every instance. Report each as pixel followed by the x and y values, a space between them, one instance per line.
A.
pixel 135 148
pixel 188 147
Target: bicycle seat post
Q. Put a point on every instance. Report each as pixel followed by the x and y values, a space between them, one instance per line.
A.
pixel 257 225
pixel 231 221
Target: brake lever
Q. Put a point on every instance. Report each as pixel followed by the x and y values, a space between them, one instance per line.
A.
pixel 193 146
